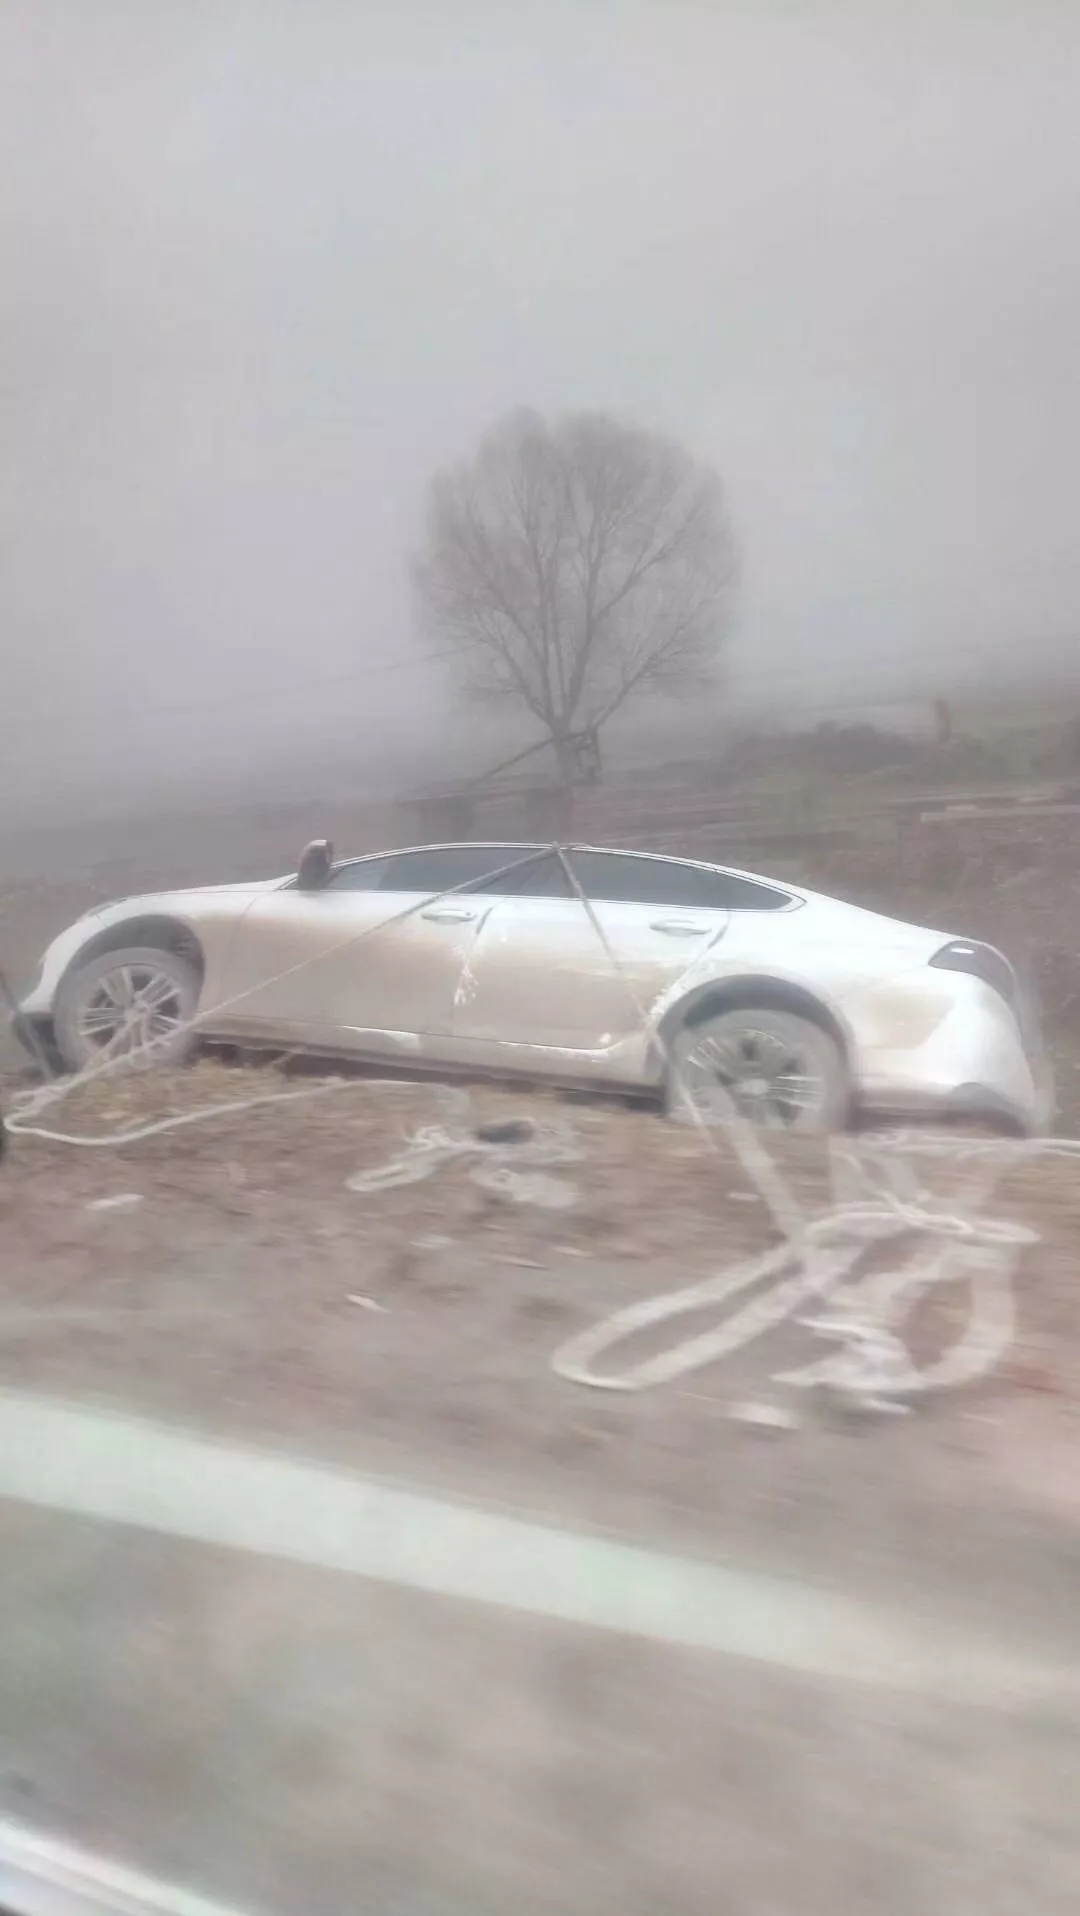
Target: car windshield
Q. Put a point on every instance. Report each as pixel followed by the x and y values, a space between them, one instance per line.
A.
pixel 539 978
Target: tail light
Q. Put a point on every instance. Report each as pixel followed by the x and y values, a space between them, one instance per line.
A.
pixel 980 961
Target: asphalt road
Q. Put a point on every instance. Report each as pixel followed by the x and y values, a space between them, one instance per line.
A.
pixel 282 1733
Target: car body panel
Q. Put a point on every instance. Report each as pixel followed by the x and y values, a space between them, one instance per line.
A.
pixel 573 977
pixel 478 978
pixel 349 969
pixel 212 915
pixel 921 1045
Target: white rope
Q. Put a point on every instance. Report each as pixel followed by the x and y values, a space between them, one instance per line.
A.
pixel 505 1161
pixel 864 1315
pixel 820 1257
pixel 205 1112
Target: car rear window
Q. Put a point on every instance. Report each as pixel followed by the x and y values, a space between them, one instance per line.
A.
pixel 665 881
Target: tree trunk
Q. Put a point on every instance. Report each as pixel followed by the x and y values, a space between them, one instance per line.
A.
pixel 566 758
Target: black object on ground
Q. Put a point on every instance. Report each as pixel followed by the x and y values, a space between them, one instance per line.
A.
pixel 506 1131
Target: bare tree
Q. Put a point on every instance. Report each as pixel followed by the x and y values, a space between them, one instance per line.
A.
pixel 571 566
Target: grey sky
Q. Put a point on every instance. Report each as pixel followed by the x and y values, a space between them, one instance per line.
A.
pixel 267 263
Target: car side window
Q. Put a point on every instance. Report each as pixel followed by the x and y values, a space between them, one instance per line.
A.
pixel 540 878
pixel 443 868
pixel 733 893
pixel 628 879
pixel 360 874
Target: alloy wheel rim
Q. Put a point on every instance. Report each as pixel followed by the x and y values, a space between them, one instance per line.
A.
pixel 134 1008
pixel 766 1077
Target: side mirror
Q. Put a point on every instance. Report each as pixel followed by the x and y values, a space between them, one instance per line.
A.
pixel 316 864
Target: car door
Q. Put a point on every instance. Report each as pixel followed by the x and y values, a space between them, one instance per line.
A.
pixel 549 973
pixel 370 962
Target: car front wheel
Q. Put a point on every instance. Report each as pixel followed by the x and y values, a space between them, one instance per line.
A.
pixel 772 1067
pixel 137 1004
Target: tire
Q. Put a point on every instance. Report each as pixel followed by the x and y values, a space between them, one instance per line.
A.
pixel 97 1008
pixel 755 1055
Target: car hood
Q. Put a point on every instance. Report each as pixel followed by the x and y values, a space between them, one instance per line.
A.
pixel 236 885
pixel 158 899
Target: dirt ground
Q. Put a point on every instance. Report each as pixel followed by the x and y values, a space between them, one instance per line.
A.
pixel 410 1331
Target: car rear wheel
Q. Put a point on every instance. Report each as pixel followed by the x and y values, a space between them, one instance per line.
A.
pixel 136 1004
pixel 775 1068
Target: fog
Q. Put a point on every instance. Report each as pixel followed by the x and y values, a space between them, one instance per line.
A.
pixel 266 265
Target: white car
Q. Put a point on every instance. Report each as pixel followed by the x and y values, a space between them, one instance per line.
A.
pixel 615 968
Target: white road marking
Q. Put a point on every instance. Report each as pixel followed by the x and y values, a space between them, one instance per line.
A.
pixel 44 1876
pixel 127 1470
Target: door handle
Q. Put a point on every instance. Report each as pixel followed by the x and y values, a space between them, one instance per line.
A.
pixel 677 928
pixel 447 915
